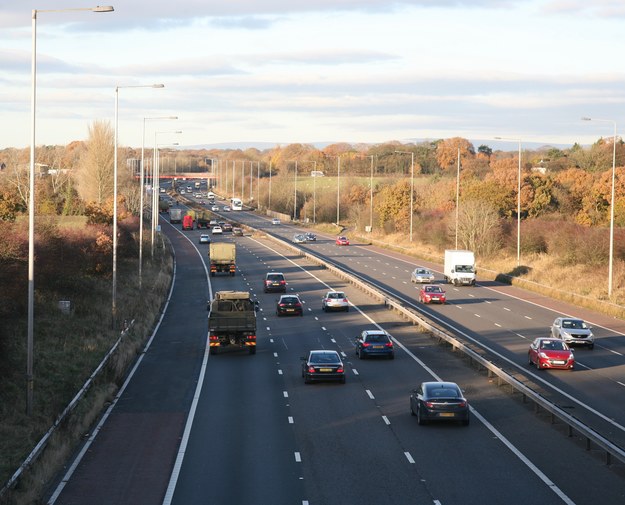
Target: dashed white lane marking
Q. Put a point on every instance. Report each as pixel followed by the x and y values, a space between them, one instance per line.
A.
pixel 279 372
pixel 298 457
pixel 355 371
pixel 385 419
pixel 370 394
pixel 291 421
pixel 285 394
pixel 409 457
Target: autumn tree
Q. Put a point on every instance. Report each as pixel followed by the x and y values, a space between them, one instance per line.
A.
pixel 94 174
pixel 447 151
pixel 479 228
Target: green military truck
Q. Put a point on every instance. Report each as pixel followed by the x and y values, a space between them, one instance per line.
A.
pixel 232 321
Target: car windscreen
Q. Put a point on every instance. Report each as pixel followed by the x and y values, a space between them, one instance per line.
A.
pixel 377 338
pixel 324 358
pixel 441 392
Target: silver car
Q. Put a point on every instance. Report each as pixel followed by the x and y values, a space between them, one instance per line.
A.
pixel 573 331
pixel 335 300
pixel 422 276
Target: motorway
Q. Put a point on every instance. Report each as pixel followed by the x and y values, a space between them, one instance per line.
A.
pixel 236 429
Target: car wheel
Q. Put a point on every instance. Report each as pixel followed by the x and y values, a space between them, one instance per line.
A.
pixel 591 346
pixel 420 419
pixel 361 355
pixel 306 380
pixel 529 360
pixel 214 350
pixel 277 313
pixel 347 309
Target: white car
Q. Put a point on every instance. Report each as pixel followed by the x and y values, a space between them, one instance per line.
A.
pixel 216 230
pixel 573 331
pixel 215 208
pixel 422 276
pixel 335 300
pixel 275 221
pixel 226 208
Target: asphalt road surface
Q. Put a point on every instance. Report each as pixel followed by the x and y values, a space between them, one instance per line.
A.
pixel 240 429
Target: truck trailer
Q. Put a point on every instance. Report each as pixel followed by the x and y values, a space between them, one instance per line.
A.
pixel 222 257
pixel 175 215
pixel 232 321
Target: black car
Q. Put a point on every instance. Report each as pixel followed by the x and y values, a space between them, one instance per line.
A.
pixel 274 282
pixel 289 305
pixel 439 401
pixel 323 365
pixel 310 237
pixel 375 343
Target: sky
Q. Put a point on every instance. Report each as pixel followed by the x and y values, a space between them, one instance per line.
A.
pixel 277 72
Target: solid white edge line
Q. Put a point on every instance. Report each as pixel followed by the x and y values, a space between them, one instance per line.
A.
pixel 106 415
pixel 524 459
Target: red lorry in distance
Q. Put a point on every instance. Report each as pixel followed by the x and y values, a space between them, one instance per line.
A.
pixel 188 223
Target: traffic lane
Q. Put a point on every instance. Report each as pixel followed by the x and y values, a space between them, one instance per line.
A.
pixel 131 458
pixel 361 427
pixel 316 336
pixel 241 448
pixel 349 420
pixel 546 444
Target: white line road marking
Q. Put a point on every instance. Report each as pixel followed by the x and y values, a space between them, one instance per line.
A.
pixel 285 394
pixel 506 308
pixel 409 457
pixel 291 420
pixel 385 419
pixel 370 394
pixel 355 371
pixel 279 372
pixel 498 325
pixel 298 457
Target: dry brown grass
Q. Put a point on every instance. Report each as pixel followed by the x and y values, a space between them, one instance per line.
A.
pixel 81 350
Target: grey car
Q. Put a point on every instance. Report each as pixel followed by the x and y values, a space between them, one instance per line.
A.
pixel 422 276
pixel 573 331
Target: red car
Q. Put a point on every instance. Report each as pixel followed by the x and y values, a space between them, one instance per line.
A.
pixel 550 353
pixel 432 293
pixel 342 241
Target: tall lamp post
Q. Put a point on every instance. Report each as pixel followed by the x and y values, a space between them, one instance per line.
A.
pixel 611 255
pixel 518 204
pixel 411 185
pixel 156 186
pixel 314 162
pixel 114 294
pixel 142 186
pixel 31 199
pixel 295 191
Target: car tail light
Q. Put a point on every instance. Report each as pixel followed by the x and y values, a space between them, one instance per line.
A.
pixel 251 337
pixel 366 344
pixel 462 404
pixel 311 369
pixel 282 283
pixel 345 300
pixel 389 344
pixel 281 305
pixel 340 370
pixel 213 337
pixel 298 304
pixel 429 404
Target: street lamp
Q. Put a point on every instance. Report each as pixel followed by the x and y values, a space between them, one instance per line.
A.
pixel 114 297
pixel 31 199
pixel 156 186
pixel 142 186
pixel 314 162
pixel 295 199
pixel 518 204
pixel 611 256
pixel 411 185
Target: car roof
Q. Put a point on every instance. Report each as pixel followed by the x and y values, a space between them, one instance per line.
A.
pixel 375 332
pixel 441 384
pixel 324 351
